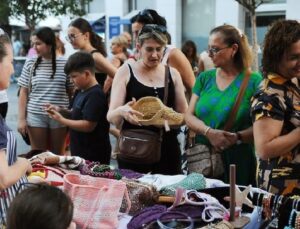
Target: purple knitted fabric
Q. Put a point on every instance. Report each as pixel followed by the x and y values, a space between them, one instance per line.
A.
pixel 146 216
pixel 130 174
pixel 151 214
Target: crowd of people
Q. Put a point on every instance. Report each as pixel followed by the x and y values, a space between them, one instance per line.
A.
pixel 82 95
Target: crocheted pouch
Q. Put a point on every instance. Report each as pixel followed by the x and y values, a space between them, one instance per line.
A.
pixel 141 195
pixel 156 113
pixel 96 200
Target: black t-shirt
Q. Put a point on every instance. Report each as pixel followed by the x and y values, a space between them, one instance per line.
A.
pixel 91 105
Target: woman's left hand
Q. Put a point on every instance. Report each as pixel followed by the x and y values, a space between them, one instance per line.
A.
pixel 232 138
pixel 218 139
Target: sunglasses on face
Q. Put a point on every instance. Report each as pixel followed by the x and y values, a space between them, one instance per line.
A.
pixel 149 28
pixel 72 37
pixel 147 14
pixel 214 51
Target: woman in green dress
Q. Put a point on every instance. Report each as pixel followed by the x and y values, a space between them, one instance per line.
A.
pixel 214 95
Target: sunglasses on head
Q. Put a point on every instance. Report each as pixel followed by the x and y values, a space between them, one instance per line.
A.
pixel 149 28
pixel 147 14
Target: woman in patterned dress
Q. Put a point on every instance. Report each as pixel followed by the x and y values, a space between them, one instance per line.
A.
pixel 214 95
pixel 276 110
pixel 12 168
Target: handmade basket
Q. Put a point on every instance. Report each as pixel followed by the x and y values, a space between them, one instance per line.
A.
pixel 156 113
pixel 96 200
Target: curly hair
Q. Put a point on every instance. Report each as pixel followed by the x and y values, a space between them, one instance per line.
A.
pixel 231 35
pixel 279 38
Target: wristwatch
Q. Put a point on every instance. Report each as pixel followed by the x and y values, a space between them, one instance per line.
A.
pixel 239 138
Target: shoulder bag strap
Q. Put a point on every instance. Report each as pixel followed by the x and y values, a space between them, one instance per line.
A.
pixel 166 93
pixel 228 125
pixel 166 89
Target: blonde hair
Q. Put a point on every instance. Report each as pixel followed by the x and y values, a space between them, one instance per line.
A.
pixel 161 38
pixel 120 40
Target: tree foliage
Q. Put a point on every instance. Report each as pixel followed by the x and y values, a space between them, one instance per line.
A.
pixel 36 10
pixel 250 6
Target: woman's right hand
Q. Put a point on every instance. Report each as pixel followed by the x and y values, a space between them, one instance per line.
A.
pixel 22 126
pixel 129 114
pixel 218 139
pixel 26 163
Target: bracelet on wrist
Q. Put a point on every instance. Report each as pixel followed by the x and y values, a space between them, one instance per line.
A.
pixel 239 138
pixel 206 130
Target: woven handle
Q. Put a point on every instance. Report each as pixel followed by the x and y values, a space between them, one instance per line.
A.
pixel 127 200
pixel 93 207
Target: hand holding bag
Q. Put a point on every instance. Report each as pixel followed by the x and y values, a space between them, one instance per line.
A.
pixel 141 145
pixel 204 159
pixel 97 201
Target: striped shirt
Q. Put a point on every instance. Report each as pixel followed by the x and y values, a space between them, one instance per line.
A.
pixel 8 143
pixel 45 89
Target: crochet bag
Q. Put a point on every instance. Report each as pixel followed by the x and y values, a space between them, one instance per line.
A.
pixel 97 201
pixel 204 160
pixel 156 113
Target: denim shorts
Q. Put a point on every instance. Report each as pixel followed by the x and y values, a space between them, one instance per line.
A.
pixel 42 121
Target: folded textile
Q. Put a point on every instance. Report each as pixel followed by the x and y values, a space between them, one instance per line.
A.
pixel 195 181
pixel 96 169
pixel 159 180
pixel 130 174
pixel 49 158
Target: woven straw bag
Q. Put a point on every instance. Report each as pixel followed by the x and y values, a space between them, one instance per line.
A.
pixel 96 200
pixel 156 113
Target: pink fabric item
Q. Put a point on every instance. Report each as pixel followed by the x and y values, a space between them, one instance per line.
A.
pixel 97 201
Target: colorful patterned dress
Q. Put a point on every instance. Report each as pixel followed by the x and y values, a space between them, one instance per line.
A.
pixel 213 108
pixel 279 99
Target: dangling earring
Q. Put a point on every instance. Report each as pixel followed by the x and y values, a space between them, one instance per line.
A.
pixel 232 55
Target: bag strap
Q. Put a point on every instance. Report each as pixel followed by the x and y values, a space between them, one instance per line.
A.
pixel 166 89
pixel 228 125
pixel 166 93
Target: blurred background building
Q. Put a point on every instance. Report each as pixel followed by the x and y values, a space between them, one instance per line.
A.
pixel 186 19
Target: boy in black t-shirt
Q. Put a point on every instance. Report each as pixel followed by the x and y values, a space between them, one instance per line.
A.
pixel 89 129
